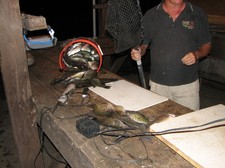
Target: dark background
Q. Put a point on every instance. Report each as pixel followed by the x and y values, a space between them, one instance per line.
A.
pixel 69 18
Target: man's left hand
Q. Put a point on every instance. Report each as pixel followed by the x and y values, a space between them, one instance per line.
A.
pixel 189 59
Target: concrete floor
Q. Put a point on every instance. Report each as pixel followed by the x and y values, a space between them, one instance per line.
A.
pixel 8 156
pixel 211 93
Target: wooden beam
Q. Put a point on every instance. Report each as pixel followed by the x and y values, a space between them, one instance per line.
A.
pixel 210 7
pixel 216 19
pixel 17 84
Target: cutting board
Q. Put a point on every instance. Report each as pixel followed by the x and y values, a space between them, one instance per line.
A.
pixel 130 96
pixel 205 148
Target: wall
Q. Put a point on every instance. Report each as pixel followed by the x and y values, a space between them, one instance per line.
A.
pixel 211 7
pixel 213 66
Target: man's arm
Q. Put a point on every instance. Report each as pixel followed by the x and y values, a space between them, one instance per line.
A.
pixel 192 57
pixel 203 51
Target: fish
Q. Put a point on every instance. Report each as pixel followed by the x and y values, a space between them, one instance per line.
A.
pixel 85 78
pixel 74 49
pixel 95 56
pixel 75 62
pixel 103 109
pixel 77 59
pixel 63 76
pixel 132 124
pixel 67 62
pixel 76 55
pixel 80 76
pixel 87 55
pixel 93 65
pixel 97 82
pixel 86 47
pixel 137 117
pixel 119 110
pixel 90 74
pixel 79 62
pixel 116 116
pixel 83 60
pixel 87 82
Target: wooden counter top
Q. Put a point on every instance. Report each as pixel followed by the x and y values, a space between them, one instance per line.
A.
pixel 79 151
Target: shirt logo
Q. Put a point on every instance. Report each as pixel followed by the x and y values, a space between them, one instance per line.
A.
pixel 188 24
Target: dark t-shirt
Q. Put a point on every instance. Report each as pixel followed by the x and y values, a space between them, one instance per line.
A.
pixel 170 40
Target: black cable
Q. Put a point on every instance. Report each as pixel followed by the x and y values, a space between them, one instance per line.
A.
pixel 146 158
pixel 41 138
pixel 52 157
pixel 116 130
pixel 188 128
pixel 44 110
pixel 128 134
pixel 36 157
pixel 117 140
pixel 168 131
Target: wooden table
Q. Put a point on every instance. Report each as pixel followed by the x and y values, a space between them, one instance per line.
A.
pixel 80 151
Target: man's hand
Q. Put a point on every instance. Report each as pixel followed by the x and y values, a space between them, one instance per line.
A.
pixel 135 54
pixel 192 57
pixel 189 59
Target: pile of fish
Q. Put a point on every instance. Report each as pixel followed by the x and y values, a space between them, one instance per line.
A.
pixel 81 57
pixel 116 116
pixel 82 62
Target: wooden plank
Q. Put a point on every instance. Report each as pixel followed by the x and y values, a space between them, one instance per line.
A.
pixel 82 152
pixel 204 148
pixel 216 19
pixel 75 148
pixel 17 86
pixel 211 7
pixel 79 151
pixel 101 14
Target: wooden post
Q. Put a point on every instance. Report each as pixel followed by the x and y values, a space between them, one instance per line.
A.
pixel 17 84
pixel 102 11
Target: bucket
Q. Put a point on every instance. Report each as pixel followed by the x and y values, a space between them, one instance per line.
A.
pixel 81 54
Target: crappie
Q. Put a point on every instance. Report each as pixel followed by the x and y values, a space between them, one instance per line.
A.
pixel 137 117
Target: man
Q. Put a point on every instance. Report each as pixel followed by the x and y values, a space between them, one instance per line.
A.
pixel 178 35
